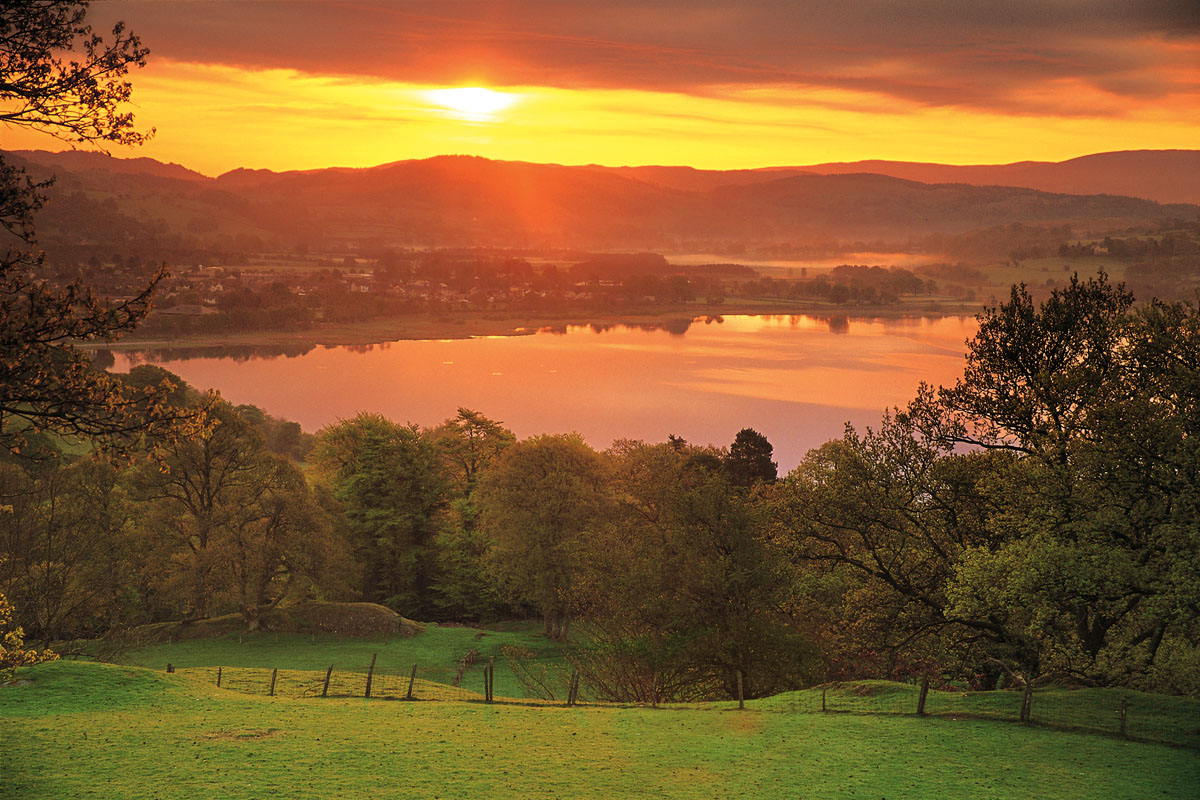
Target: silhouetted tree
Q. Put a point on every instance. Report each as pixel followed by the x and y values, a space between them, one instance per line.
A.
pixel 749 460
pixel 45 383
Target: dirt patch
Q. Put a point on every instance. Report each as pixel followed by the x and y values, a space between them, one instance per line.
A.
pixel 15 682
pixel 743 722
pixel 237 736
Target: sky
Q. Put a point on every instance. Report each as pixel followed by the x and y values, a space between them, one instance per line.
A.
pixel 305 84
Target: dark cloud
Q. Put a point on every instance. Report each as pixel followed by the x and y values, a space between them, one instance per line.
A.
pixel 982 54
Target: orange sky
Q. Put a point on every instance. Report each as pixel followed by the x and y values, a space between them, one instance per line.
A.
pixel 299 85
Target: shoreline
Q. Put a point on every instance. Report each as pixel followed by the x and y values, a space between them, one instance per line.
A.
pixel 475 324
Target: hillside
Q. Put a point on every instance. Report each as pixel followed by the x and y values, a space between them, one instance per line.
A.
pixel 1166 176
pixel 454 201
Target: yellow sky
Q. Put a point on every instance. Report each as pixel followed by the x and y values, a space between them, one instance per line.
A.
pixel 214 118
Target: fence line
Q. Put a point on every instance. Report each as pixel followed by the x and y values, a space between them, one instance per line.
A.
pixel 1133 715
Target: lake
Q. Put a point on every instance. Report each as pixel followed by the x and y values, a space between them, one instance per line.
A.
pixel 796 379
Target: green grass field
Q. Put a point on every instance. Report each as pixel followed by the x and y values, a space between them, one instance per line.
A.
pixel 303 658
pixel 92 730
pixel 246 661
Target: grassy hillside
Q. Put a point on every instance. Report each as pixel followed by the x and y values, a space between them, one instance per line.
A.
pixel 438 652
pixel 81 730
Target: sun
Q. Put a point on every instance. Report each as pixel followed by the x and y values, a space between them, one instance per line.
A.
pixel 472 102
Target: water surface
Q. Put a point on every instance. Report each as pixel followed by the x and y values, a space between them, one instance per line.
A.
pixel 796 379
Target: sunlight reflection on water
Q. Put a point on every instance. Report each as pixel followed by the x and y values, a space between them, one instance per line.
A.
pixel 797 379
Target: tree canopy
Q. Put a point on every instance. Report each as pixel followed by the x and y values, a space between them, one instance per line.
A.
pixel 59 77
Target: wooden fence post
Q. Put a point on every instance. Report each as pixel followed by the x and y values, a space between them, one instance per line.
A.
pixel 411 680
pixel 822 698
pixel 218 677
pixel 1027 701
pixel 170 668
pixel 1123 713
pixel 572 689
pixel 274 673
pixel 741 697
pixel 325 688
pixel 654 690
pixel 370 674
pixel 491 679
pixel 924 694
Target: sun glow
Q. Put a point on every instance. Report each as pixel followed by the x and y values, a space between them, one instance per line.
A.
pixel 473 102
pixel 361 124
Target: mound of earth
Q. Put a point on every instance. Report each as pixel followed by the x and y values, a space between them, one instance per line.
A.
pixel 344 619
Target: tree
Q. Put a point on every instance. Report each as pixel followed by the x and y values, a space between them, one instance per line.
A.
pixel 685 591
pixel 469 442
pixel 1040 517
pixel 749 460
pixel 230 520
pixel 46 384
pixel 885 517
pixel 66 541
pixel 1101 516
pixel 13 652
pixel 540 503
pixel 392 485
pixel 282 542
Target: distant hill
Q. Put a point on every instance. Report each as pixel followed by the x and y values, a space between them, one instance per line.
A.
pixel 471 201
pixel 86 161
pixel 1166 176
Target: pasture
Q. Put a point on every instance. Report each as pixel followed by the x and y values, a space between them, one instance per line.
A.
pixel 76 729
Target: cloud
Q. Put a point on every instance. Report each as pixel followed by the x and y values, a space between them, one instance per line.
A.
pixel 929 52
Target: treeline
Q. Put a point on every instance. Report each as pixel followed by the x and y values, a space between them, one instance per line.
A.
pixel 1039 520
pixel 854 284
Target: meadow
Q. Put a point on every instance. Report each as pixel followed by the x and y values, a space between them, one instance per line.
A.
pixel 78 729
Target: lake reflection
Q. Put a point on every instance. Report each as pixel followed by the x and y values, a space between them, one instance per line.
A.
pixel 797 379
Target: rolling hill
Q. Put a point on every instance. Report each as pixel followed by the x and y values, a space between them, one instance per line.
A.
pixel 472 201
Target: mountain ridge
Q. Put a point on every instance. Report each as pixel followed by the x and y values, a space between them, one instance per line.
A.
pixel 474 201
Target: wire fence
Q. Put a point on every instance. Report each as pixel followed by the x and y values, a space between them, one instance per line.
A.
pixel 1132 715
pixel 482 681
pixel 1137 716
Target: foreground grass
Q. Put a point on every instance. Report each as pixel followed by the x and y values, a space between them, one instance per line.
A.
pixel 92 730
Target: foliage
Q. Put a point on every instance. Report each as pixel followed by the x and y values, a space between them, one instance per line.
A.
pixel 1100 518
pixel 749 459
pixel 685 592
pixel 68 549
pixel 469 443
pixel 228 516
pixel 46 384
pixel 394 491
pixel 13 652
pixel 541 503
pixel 886 514
pixel 1040 517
